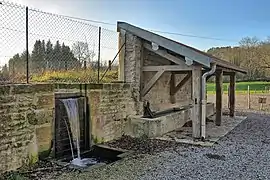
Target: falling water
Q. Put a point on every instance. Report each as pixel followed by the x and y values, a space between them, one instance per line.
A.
pixel 72 109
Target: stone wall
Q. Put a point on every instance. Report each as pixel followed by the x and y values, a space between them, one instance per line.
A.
pixel 110 104
pixel 27 116
pixel 159 95
pixel 23 109
pixel 109 107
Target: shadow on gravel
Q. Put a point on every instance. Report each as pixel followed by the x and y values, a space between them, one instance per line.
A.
pixel 215 156
pixel 144 145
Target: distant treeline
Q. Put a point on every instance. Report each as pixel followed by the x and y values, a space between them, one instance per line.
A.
pixel 252 54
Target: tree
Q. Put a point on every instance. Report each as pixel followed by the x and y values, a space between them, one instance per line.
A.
pixel 82 53
pixel 37 60
pixel 68 59
pixel 49 55
pixel 4 74
pixel 57 56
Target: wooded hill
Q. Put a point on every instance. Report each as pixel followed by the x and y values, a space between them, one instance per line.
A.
pixel 252 54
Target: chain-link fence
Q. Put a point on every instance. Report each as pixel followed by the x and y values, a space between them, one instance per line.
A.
pixel 59 48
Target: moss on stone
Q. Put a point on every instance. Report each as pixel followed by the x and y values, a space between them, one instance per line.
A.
pixel 33 158
pixel 97 140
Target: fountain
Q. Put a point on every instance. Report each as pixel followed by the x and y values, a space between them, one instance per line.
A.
pixel 72 109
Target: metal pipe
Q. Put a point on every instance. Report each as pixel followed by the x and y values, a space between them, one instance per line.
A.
pixel 204 101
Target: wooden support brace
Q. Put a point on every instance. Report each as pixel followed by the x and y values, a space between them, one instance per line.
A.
pixel 152 82
pixel 180 84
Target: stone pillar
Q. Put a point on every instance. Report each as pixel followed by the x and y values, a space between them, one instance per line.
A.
pixel 122 40
pixel 132 67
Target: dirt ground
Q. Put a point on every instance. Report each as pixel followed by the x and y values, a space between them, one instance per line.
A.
pixel 242 101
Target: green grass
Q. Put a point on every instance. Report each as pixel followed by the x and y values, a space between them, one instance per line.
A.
pixel 241 87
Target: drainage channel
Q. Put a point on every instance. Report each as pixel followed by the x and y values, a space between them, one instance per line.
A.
pixel 98 155
pixel 71 137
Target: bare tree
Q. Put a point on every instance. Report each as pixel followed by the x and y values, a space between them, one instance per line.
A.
pixel 82 52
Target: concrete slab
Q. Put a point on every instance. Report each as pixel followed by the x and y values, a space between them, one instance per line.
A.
pixel 213 132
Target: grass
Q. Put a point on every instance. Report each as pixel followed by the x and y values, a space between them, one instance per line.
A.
pixel 242 87
pixel 74 76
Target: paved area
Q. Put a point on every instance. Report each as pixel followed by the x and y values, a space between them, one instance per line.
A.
pixel 241 154
pixel 213 132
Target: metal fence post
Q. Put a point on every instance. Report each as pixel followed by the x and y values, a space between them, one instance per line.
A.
pixel 99 39
pixel 27 51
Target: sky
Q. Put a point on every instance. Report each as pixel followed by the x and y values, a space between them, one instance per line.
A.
pixel 230 20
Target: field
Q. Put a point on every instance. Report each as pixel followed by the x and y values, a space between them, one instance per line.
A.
pixel 242 87
pixel 257 90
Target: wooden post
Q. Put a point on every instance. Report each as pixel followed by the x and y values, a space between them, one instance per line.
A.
pixel 219 92
pixel 172 86
pixel 196 97
pixel 228 90
pixel 232 94
pixel 248 99
pixel 110 65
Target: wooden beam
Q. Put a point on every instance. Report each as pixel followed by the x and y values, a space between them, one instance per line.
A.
pixel 181 72
pixel 172 86
pixel 166 68
pixel 198 56
pixel 151 83
pixel 228 73
pixel 219 92
pixel 208 77
pixel 181 83
pixel 166 55
pixel 232 95
pixel 196 97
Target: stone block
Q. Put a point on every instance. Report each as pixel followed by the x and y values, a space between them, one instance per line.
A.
pixel 5 90
pixel 107 86
pixel 94 86
pixel 44 100
pixel 31 88
pixel 44 137
pixel 40 116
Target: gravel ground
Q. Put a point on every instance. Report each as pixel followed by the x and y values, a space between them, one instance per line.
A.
pixel 242 154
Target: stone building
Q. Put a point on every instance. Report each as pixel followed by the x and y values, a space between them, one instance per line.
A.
pixel 170 74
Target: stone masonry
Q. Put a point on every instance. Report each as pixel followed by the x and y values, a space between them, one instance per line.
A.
pixel 27 115
pixel 159 95
pixel 23 108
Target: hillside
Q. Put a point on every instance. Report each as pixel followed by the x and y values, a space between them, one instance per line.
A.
pixel 252 54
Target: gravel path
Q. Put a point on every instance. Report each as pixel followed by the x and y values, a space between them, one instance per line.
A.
pixel 242 154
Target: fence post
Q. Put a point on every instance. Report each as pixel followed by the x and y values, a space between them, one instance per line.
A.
pixel 27 51
pixel 110 65
pixel 248 91
pixel 99 39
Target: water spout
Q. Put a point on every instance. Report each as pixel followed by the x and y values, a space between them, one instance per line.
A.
pixel 72 109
